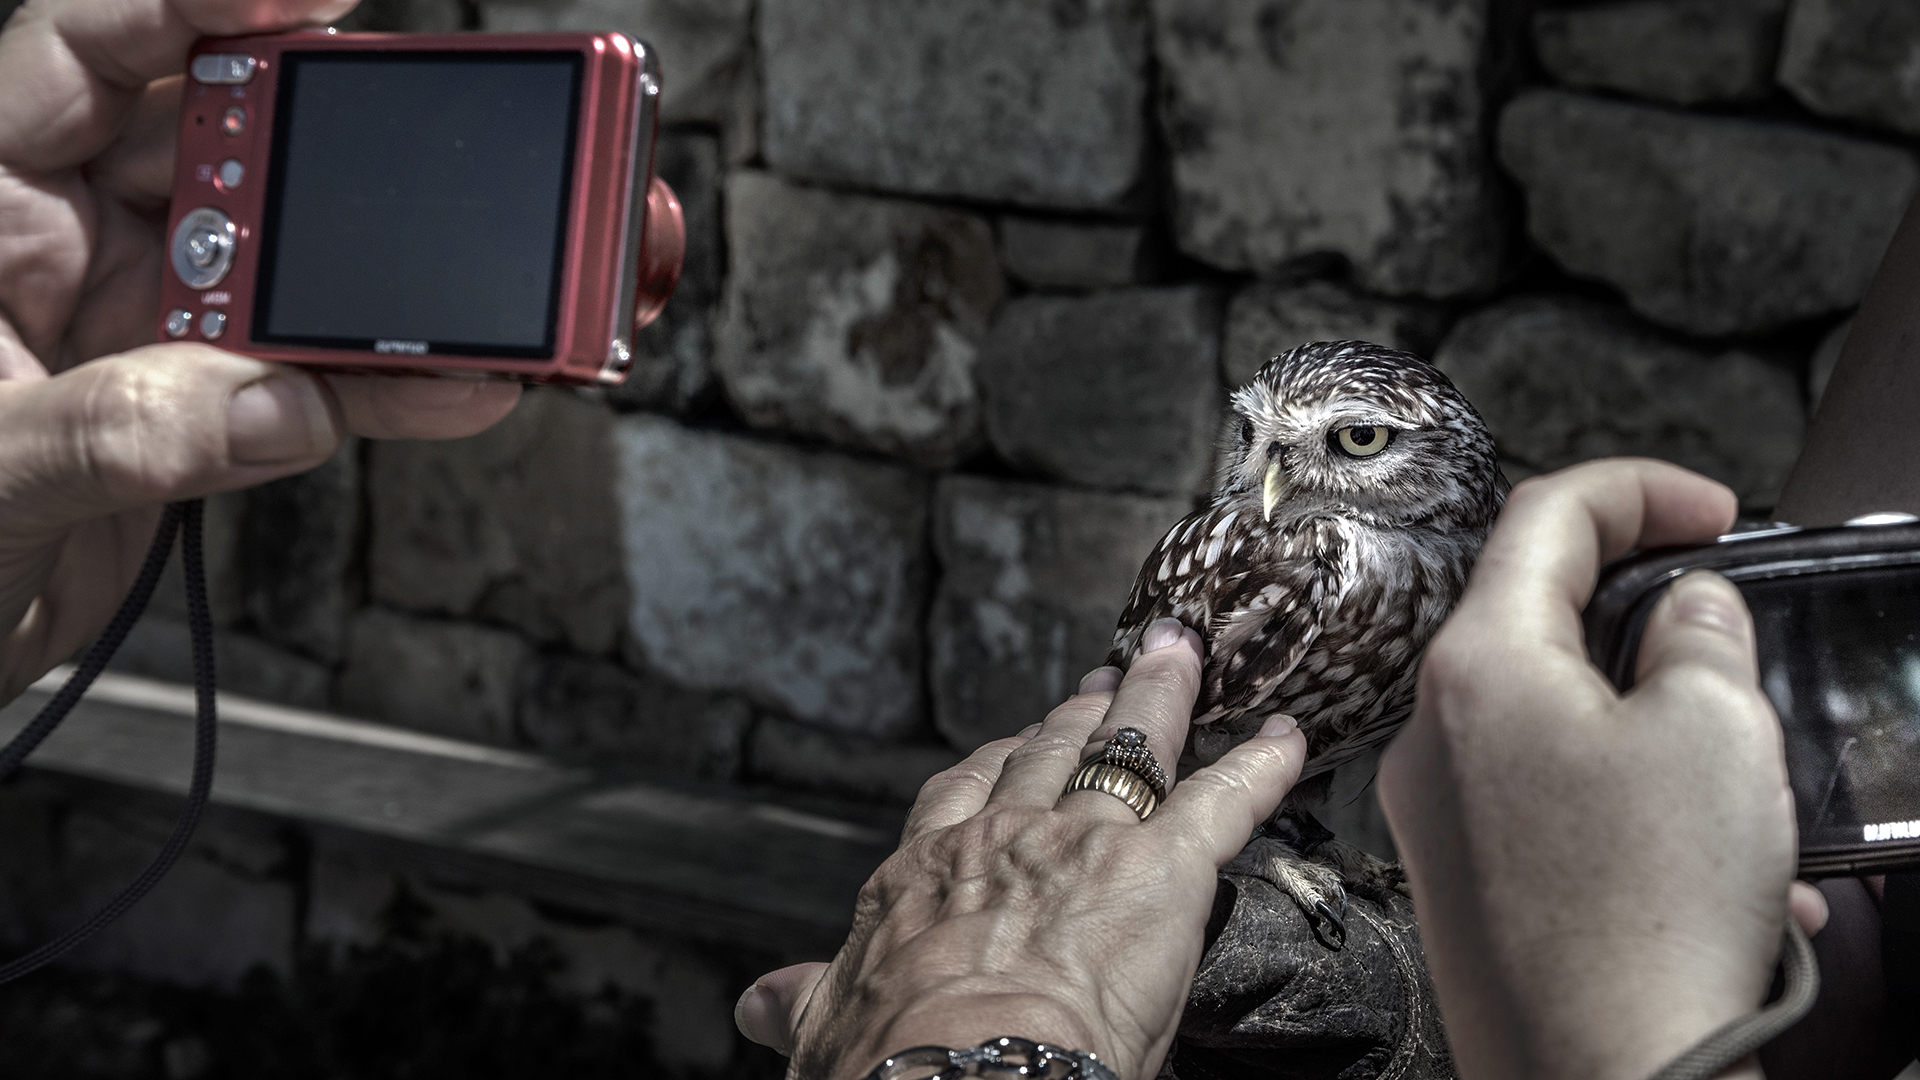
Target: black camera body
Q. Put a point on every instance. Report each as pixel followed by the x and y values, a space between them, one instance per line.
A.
pixel 1836 616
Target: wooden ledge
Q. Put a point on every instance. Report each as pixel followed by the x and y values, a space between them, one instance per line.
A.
pixel 725 867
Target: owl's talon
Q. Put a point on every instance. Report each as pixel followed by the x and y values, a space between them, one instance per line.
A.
pixel 1335 934
pixel 1315 888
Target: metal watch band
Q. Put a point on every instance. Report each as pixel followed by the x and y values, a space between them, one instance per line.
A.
pixel 1006 1056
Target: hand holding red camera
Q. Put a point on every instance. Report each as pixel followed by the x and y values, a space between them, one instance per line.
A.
pixel 97 426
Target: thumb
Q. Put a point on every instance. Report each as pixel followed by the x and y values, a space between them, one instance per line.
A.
pixel 1701 622
pixel 771 1007
pixel 153 425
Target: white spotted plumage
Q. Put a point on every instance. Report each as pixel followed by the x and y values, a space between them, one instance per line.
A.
pixel 1321 607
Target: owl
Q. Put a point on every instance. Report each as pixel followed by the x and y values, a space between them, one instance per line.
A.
pixel 1355 488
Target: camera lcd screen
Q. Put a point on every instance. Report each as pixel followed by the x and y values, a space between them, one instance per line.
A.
pixel 418 202
pixel 1840 660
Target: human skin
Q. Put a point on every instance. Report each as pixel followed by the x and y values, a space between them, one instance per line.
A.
pixel 98 427
pixel 1010 910
pixel 1601 878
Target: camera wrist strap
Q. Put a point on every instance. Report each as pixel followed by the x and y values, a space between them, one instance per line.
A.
pixel 182 519
pixel 1736 1039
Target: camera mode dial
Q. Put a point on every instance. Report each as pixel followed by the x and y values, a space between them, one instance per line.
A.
pixel 203 248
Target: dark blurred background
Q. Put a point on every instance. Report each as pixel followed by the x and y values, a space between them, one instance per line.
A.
pixel 563 733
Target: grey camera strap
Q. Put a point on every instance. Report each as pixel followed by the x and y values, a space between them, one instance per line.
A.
pixel 183 520
pixel 1717 1052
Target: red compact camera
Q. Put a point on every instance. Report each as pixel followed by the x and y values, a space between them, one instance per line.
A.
pixel 422 203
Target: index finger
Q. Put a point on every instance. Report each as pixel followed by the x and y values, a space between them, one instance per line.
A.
pixel 71 69
pixel 1537 568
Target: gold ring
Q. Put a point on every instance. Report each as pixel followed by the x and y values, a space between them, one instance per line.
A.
pixel 1121 783
pixel 1126 770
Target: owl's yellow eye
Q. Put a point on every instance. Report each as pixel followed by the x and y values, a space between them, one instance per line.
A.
pixel 1362 440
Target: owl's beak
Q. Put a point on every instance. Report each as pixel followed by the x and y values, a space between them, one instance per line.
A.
pixel 1274 490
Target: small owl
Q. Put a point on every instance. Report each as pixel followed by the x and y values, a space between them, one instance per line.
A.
pixel 1355 488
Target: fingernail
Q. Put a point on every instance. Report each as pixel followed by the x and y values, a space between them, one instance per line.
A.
pixel 279 419
pixel 1278 724
pixel 752 1012
pixel 1161 634
pixel 1029 731
pixel 1704 598
pixel 1100 680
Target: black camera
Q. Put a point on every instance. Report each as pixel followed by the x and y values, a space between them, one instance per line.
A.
pixel 1836 615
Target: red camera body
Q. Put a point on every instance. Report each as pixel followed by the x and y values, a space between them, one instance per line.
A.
pixel 438 203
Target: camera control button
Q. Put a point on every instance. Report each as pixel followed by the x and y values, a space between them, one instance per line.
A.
pixel 202 248
pixel 233 121
pixel 223 69
pixel 213 324
pixel 179 321
pixel 231 173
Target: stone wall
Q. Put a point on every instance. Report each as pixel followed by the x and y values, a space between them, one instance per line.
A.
pixel 967 282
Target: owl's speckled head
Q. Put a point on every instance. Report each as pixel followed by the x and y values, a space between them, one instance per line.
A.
pixel 1362 431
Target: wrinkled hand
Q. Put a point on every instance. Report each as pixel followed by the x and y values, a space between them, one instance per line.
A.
pixel 1601 879
pixel 1009 910
pixel 96 430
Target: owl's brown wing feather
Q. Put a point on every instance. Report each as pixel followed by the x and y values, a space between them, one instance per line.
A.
pixel 1176 578
pixel 1268 616
pixel 1259 598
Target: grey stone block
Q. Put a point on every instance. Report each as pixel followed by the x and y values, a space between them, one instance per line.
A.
pixel 673 357
pixel 1029 103
pixel 1345 126
pixel 597 713
pixel 1826 357
pixel 1033 580
pixel 1711 225
pixel 1117 390
pixel 1685 51
pixel 161 648
pixel 452 678
pixel 791 576
pixel 1855 59
pixel 856 319
pixel 1560 380
pixel 298 549
pixel 806 758
pixel 517 525
pixel 705 46
pixel 1266 319
pixel 1071 255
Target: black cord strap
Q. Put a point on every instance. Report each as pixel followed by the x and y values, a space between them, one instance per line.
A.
pixel 182 519
pixel 1736 1039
